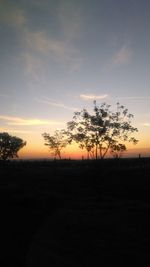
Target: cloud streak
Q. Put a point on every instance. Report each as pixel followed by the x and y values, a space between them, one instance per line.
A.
pixel 16 131
pixel 39 41
pixel 122 56
pixel 134 97
pixel 61 51
pixel 50 102
pixel 12 15
pixel 33 66
pixel 89 97
pixel 42 50
pixel 147 124
pixel 27 122
pixel 36 44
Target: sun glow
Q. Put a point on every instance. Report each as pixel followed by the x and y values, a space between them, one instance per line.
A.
pixel 35 148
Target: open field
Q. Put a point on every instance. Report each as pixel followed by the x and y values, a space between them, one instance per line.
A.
pixel 75 213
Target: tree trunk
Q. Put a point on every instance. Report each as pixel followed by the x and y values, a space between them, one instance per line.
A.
pixel 59 155
pixel 96 154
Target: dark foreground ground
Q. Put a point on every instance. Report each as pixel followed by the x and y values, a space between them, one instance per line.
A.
pixel 75 213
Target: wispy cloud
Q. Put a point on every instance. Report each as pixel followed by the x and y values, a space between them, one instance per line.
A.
pixel 27 122
pixel 18 18
pixel 38 44
pixel 33 66
pixel 88 97
pixel 134 97
pixel 40 41
pixel 50 102
pixel 147 124
pixel 15 131
pixel 122 56
pixel 12 15
pixel 60 51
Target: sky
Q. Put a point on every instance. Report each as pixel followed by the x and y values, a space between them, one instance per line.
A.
pixel 57 56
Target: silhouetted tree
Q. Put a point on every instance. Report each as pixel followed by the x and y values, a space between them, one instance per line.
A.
pixel 117 150
pixel 101 131
pixel 56 142
pixel 9 146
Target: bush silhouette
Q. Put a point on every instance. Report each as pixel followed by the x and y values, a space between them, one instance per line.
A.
pixel 9 146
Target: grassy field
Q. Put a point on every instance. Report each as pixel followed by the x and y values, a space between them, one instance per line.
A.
pixel 75 213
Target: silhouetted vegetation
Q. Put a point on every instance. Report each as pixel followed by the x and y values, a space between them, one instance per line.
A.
pixel 98 133
pixel 102 131
pixel 9 146
pixel 56 142
pixel 117 150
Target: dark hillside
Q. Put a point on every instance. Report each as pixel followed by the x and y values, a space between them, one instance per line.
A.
pixel 75 213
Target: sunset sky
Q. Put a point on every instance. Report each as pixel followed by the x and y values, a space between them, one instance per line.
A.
pixel 57 56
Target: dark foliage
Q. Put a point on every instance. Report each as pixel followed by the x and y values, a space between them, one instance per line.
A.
pixel 9 146
pixel 102 131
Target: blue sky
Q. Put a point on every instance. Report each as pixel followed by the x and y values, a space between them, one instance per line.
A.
pixel 58 56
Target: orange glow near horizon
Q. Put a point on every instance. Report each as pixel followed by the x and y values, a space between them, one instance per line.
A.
pixel 42 151
pixel 35 148
pixel 74 152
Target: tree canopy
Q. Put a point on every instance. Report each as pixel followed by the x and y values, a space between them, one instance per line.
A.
pixel 102 131
pixel 9 146
pixel 56 142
